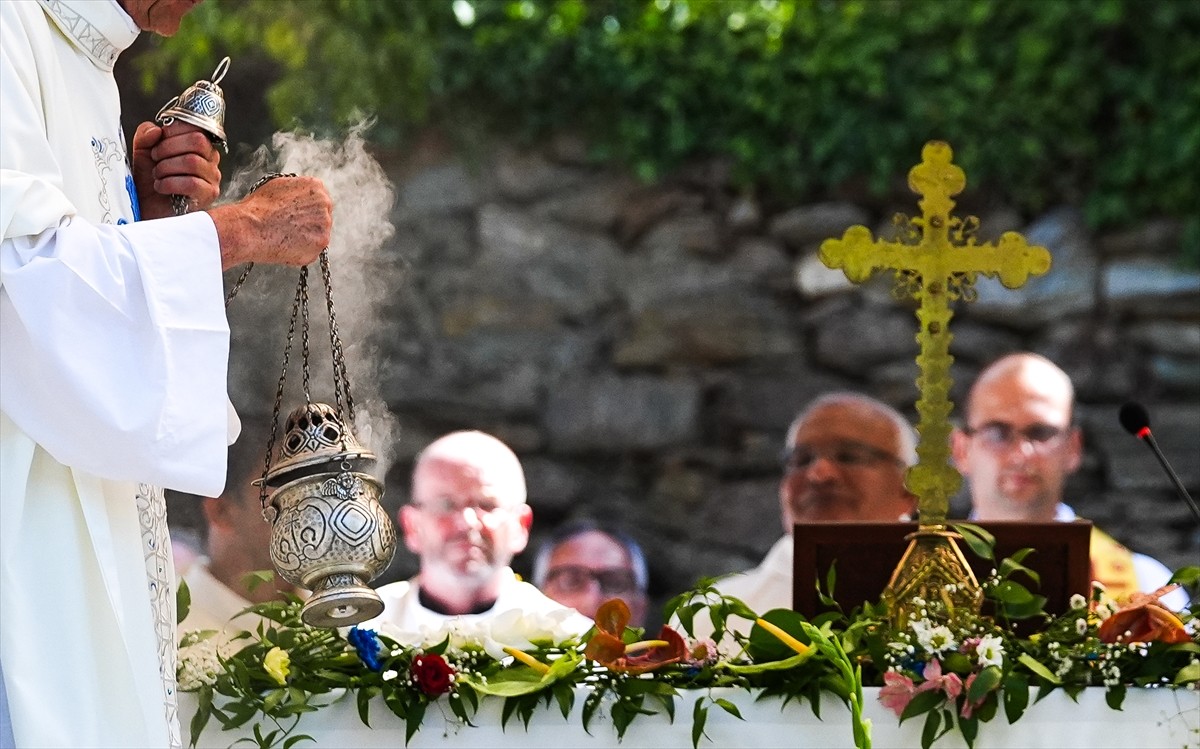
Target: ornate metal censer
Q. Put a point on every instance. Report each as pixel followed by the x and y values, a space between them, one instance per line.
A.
pixel 329 532
pixel 935 261
pixel 201 104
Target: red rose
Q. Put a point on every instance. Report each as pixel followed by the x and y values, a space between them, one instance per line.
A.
pixel 432 674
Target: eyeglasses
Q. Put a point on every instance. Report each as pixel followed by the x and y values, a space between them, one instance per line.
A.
pixel 445 506
pixel 844 455
pixel 997 435
pixel 574 578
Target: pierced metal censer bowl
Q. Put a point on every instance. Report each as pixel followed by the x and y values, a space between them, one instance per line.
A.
pixel 329 532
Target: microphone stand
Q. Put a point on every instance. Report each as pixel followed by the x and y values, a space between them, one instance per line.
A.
pixel 1148 437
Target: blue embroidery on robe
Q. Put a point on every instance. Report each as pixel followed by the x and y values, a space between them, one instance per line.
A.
pixel 133 198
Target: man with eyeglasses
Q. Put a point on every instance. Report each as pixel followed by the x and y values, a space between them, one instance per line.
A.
pixel 585 564
pixel 844 460
pixel 466 521
pixel 1016 448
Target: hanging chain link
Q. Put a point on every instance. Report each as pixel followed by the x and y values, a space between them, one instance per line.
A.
pixel 341 377
pixel 287 350
pixel 304 348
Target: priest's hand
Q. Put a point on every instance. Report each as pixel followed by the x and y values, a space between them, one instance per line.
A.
pixel 178 159
pixel 287 221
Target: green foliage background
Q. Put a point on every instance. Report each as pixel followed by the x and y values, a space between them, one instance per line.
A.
pixel 1090 102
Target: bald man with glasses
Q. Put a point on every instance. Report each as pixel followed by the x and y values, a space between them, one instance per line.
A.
pixel 466 521
pixel 1016 447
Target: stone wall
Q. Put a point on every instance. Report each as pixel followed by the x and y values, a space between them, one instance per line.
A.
pixel 643 348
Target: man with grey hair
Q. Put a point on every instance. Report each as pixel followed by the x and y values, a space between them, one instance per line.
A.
pixel 586 563
pixel 466 520
pixel 844 460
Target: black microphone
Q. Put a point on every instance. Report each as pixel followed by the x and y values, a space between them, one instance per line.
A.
pixel 1136 420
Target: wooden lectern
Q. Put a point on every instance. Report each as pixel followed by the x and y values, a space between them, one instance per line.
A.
pixel 867 554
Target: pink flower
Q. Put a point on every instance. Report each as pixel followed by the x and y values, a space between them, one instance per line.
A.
pixel 951 684
pixel 968 707
pixel 898 689
pixel 897 692
pixel 702 652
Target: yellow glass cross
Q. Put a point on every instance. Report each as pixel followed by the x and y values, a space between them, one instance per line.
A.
pixel 936 262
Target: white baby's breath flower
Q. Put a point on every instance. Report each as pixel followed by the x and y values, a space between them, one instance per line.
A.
pixel 389 674
pixel 1105 610
pixel 200 659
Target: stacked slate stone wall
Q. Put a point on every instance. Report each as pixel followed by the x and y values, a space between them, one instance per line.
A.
pixel 644 347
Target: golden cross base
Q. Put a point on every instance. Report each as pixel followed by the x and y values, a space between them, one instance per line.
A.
pixel 932 569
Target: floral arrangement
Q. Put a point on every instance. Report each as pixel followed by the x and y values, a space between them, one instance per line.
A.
pixel 956 669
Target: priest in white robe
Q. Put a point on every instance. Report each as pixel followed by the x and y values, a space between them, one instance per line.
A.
pixel 112 372
pixel 467 520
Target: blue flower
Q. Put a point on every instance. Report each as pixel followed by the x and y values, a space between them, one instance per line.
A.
pixel 367 645
pixel 910 663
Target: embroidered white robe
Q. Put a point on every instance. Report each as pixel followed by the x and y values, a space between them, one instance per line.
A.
pixel 113 371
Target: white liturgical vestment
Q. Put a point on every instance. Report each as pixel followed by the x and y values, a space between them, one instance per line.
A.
pixel 404 615
pixel 767 586
pixel 214 604
pixel 112 383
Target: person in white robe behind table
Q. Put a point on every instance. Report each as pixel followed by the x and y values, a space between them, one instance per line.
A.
pixel 844 461
pixel 114 367
pixel 466 521
pixel 1016 448
pixel 237 543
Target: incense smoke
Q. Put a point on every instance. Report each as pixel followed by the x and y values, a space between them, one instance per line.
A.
pixel 361 278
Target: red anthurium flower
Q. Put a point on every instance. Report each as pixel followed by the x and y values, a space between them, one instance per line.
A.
pixel 1144 619
pixel 607 648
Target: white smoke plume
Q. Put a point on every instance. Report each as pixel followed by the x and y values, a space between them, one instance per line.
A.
pixel 362 277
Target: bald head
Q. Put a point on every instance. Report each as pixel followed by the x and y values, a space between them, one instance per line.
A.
pixel 1029 377
pixel 846 458
pixel 492 461
pixel 1017 444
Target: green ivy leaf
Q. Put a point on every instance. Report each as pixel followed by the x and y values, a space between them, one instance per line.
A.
pixel 1115 696
pixel 981 542
pixel 183 601
pixel 922 703
pixel 204 709
pixel 1031 663
pixel 970 730
pixel 1188 674
pixel 929 733
pixel 291 742
pixel 729 707
pixel 987 680
pixel 699 718
pixel 1016 696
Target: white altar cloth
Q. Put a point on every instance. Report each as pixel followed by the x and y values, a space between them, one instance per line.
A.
pixel 1150 719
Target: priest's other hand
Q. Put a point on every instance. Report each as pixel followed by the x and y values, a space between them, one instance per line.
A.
pixel 178 159
pixel 287 221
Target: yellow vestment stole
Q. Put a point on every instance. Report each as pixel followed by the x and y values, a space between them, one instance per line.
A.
pixel 1112 565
